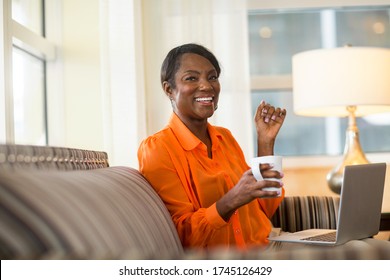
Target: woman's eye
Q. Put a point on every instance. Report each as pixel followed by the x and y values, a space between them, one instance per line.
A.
pixel 213 78
pixel 191 78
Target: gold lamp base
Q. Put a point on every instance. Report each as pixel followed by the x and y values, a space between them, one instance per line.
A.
pixel 353 153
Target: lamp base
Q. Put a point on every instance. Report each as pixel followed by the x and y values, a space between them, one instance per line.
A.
pixel 353 154
pixel 335 176
pixel 335 180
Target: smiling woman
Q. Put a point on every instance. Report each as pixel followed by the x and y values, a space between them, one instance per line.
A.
pixel 194 93
pixel 199 170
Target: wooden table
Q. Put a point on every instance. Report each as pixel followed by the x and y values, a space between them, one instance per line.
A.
pixel 385 222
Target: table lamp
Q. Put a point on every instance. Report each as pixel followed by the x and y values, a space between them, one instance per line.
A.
pixel 348 81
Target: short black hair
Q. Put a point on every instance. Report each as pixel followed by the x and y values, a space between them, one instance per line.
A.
pixel 171 62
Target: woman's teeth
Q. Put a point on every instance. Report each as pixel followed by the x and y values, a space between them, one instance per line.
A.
pixel 203 99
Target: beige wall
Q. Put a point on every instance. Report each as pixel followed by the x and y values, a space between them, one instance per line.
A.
pixel 81 74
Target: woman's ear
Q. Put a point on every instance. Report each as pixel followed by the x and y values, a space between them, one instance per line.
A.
pixel 169 92
pixel 167 89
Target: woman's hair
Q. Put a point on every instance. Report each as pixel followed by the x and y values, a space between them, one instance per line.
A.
pixel 171 63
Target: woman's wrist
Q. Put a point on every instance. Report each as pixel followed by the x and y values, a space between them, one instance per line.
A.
pixel 265 148
pixel 224 207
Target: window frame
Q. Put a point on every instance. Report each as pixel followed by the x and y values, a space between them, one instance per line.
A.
pixel 284 82
pixel 13 34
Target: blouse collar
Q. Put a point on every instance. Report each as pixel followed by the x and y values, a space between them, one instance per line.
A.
pixel 187 139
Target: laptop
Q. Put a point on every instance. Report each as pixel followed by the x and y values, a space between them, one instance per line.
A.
pixel 359 210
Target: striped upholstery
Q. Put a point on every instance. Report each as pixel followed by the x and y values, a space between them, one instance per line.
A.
pixel 53 158
pixel 303 212
pixel 63 203
pixel 366 249
pixel 83 214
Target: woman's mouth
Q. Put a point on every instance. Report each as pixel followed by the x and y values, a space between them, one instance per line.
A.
pixel 204 99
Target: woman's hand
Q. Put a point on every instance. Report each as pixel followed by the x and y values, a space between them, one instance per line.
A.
pixel 268 121
pixel 248 189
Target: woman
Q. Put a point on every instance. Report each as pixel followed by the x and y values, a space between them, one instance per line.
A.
pixel 199 170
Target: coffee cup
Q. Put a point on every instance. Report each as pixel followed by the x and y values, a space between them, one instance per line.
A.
pixel 275 161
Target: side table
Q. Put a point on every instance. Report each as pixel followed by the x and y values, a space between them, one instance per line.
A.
pixel 385 222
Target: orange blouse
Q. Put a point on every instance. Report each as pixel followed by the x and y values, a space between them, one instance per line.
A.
pixel 176 164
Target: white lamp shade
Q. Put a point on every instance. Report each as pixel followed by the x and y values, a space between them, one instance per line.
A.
pixel 325 81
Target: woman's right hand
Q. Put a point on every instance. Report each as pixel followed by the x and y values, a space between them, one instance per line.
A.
pixel 248 189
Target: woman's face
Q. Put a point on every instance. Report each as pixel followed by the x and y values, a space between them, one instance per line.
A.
pixel 196 94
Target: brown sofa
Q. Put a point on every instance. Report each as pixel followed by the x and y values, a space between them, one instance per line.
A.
pixel 63 203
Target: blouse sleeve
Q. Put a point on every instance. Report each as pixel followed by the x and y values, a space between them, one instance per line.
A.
pixel 269 206
pixel 195 225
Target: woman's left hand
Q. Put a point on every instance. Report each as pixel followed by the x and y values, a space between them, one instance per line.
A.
pixel 268 121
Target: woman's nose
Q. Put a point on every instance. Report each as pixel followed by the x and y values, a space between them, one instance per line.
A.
pixel 205 85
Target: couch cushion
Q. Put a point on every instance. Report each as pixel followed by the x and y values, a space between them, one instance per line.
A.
pixel 297 213
pixel 83 214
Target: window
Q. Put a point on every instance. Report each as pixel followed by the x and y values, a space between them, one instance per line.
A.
pixel 275 36
pixel 29 99
pixel 25 55
pixel 30 14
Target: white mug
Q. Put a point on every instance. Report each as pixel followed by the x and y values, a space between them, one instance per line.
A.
pixel 276 161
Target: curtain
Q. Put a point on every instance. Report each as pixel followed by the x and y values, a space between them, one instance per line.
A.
pixel 219 25
pixel 122 80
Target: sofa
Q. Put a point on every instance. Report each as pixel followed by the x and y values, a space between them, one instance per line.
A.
pixel 66 203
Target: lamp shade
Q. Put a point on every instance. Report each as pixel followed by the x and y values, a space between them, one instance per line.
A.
pixel 325 81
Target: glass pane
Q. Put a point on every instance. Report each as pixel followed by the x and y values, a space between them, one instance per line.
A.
pixel 374 132
pixel 29 13
pixel 363 28
pixel 29 99
pixel 299 135
pixel 275 37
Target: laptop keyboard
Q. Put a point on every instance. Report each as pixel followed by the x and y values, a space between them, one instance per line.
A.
pixel 327 237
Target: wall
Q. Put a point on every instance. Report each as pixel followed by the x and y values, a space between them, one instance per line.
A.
pixel 103 77
pixel 81 73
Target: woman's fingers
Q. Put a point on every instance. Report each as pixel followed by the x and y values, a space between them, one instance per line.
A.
pixel 261 192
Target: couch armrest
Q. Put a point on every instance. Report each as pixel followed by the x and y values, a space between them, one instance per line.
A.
pixel 50 158
pixel 87 214
pixel 303 212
